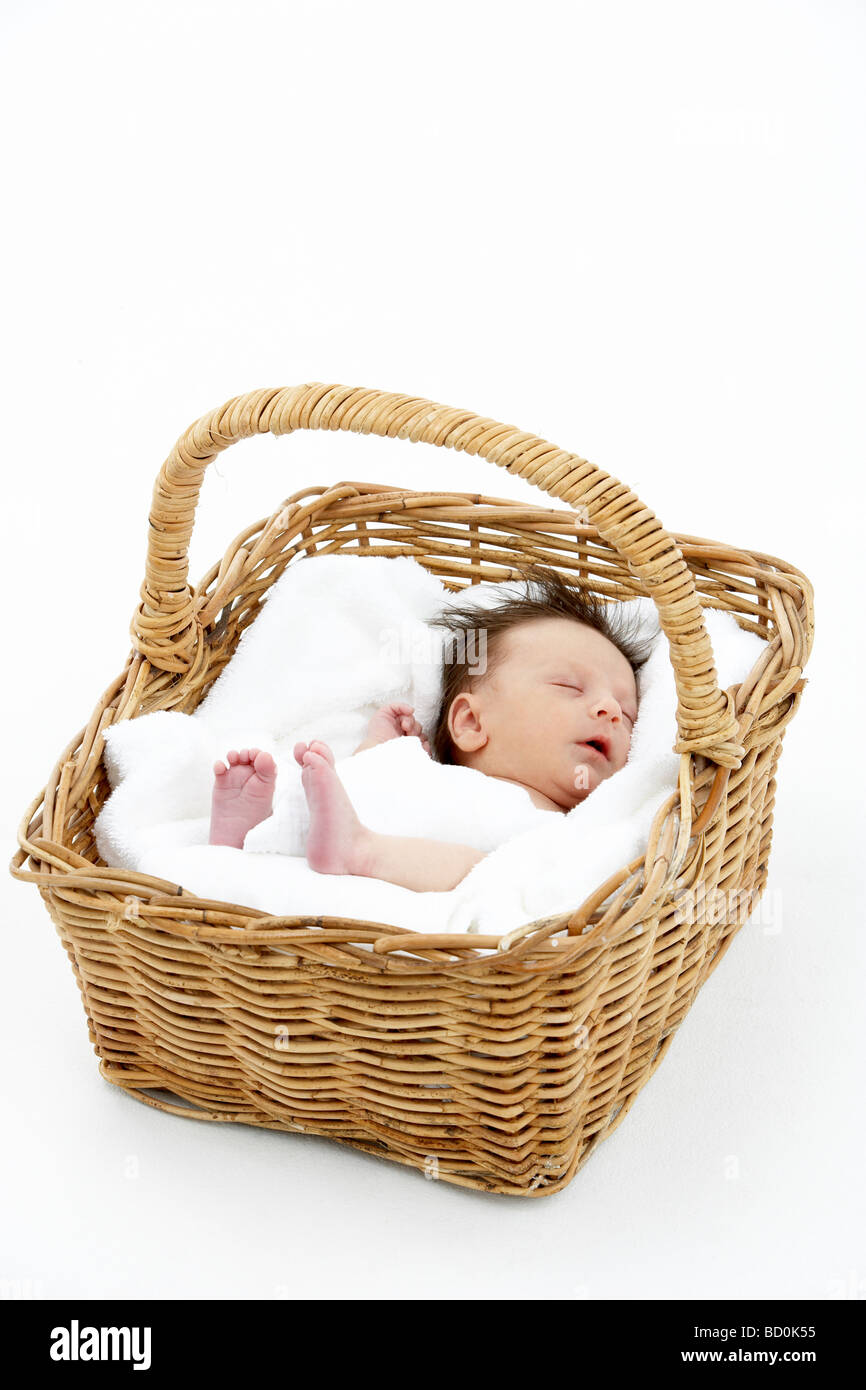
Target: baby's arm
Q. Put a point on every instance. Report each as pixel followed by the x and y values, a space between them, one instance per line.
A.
pixel 393 720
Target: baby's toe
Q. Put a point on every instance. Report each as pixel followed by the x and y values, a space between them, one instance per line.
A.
pixel 298 752
pixel 264 765
pixel 219 768
pixel 323 750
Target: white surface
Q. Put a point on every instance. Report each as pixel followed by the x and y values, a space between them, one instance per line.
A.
pixel 634 230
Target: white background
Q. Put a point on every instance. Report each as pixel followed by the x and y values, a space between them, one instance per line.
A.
pixel 633 229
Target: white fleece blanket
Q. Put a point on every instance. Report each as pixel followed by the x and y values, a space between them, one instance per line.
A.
pixel 337 637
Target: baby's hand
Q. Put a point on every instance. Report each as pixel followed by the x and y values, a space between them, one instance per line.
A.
pixel 394 720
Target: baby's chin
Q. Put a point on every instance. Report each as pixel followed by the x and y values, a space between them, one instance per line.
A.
pixel 568 794
pixel 585 778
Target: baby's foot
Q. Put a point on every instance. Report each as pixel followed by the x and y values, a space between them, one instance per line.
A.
pixel 243 795
pixel 337 842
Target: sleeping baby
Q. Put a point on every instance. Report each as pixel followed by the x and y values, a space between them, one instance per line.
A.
pixel 551 710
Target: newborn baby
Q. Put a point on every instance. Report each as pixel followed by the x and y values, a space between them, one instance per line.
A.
pixel 550 708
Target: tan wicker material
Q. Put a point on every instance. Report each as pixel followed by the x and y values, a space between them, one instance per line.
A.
pixel 497 1071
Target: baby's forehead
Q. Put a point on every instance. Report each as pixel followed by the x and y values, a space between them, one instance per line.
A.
pixel 548 641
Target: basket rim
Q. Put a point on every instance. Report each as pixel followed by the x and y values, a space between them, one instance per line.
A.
pixel 160 898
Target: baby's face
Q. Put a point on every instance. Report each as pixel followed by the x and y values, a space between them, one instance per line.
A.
pixel 556 712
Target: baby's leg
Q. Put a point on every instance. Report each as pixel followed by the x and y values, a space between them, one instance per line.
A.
pixel 338 843
pixel 243 795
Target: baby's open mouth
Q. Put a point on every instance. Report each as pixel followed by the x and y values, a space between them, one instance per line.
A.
pixel 599 744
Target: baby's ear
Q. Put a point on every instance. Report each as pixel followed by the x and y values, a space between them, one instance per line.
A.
pixel 464 725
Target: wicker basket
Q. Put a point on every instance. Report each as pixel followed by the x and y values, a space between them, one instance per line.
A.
pixel 500 1070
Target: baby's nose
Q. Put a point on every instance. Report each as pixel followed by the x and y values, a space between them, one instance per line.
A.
pixel 609 707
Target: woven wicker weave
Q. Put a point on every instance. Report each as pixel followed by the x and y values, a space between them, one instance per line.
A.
pixel 500 1071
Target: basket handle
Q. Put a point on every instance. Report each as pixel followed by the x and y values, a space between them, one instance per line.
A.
pixel 165 627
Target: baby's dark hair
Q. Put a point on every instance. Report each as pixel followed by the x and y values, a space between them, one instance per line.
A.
pixel 547 595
